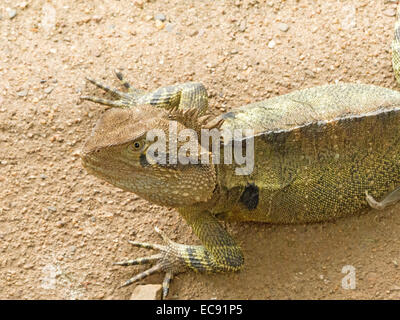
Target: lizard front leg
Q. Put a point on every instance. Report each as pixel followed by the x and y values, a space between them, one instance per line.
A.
pixel 184 96
pixel 218 253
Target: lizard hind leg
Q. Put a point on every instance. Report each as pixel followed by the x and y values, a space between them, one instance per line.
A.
pixel 391 198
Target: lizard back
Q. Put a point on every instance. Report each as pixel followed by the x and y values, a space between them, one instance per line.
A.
pixel 322 103
pixel 317 151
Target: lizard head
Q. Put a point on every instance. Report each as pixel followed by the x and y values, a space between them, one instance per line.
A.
pixel 120 152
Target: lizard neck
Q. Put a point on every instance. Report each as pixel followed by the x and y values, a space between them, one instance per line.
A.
pixel 176 185
pixel 167 185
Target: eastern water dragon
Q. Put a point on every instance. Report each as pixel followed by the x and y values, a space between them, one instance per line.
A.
pixel 319 154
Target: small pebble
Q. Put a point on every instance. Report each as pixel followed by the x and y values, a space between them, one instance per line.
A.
pixel 160 16
pixel 160 25
pixel 169 27
pixel 22 93
pixel 72 249
pixel 309 73
pixel 271 44
pixel 389 12
pixel 283 27
pixel 11 12
pixel 23 5
pixel 48 90
pixel 60 224
pixel 43 176
pixel 138 3
pixel 242 26
pixel 147 292
pixel 97 18
pixel 52 209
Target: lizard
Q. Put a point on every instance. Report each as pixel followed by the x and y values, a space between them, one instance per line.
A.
pixel 320 153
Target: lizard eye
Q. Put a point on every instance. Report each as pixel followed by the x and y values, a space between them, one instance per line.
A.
pixel 136 146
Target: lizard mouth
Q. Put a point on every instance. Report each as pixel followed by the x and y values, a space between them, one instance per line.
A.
pixel 118 173
pixel 97 166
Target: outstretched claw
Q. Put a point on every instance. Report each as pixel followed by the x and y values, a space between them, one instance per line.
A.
pixel 165 285
pixel 106 102
pixel 127 85
pixel 124 100
pixel 139 261
pixel 142 275
pixel 167 260
pixel 113 91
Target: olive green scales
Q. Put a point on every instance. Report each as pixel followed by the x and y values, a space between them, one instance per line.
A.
pixel 319 154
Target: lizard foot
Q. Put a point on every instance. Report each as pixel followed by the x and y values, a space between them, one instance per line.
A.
pixel 167 260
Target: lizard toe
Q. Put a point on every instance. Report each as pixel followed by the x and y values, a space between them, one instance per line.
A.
pixel 168 260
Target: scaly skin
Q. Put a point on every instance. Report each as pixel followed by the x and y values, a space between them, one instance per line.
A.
pixel 307 170
pixel 320 153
